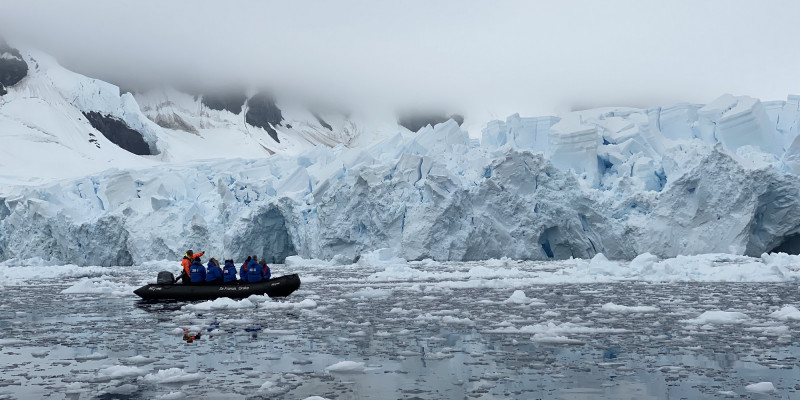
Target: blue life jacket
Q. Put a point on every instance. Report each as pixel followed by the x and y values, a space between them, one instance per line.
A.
pixel 214 273
pixel 229 272
pixel 254 272
pixel 243 272
pixel 197 272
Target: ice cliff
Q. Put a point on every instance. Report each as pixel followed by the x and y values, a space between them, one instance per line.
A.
pixel 683 179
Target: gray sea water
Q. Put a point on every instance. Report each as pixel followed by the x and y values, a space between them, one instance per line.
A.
pixel 403 340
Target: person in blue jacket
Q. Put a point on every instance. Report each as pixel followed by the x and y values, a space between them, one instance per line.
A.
pixel 214 273
pixel 265 272
pixel 229 272
pixel 254 271
pixel 243 270
pixel 197 272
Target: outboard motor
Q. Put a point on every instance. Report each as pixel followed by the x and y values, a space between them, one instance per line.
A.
pixel 165 278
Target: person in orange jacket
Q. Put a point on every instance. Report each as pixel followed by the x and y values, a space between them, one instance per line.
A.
pixel 187 261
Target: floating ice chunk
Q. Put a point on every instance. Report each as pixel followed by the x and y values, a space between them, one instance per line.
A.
pixel 371 293
pixel 381 257
pixel 121 371
pixel 484 272
pixel 599 266
pixel 92 356
pixel 176 331
pixel 172 375
pixel 221 303
pixel 138 360
pixel 172 396
pixel 316 398
pixel 643 262
pixel 781 330
pixel 550 313
pixel 518 297
pixel 438 355
pixel 780 260
pixel 400 273
pixel 295 261
pixel 99 286
pixel 278 305
pixel 40 353
pixel 719 317
pixel 611 307
pixel 11 342
pixel 761 387
pixel 267 385
pixel 75 388
pixel 554 329
pixel 555 339
pixel 347 367
pixel 15 271
pixel 786 313
pixel 447 319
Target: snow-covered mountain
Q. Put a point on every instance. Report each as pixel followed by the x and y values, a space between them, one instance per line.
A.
pixel 85 125
pixel 683 179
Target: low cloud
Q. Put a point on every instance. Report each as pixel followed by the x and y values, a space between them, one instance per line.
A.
pixel 500 57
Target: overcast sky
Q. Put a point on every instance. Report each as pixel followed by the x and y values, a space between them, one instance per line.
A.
pixel 532 57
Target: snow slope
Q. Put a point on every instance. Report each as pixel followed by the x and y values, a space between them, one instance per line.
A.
pixel 684 179
pixel 44 117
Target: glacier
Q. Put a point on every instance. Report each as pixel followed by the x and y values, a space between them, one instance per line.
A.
pixel 678 180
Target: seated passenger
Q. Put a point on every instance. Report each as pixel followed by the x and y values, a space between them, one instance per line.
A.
pixel 214 273
pixel 197 272
pixel 243 270
pixel 264 269
pixel 254 273
pixel 229 272
pixel 186 262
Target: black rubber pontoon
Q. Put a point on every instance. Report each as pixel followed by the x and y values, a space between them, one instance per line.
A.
pixel 281 286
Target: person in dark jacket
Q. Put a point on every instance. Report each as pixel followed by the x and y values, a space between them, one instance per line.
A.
pixel 229 272
pixel 254 271
pixel 197 272
pixel 243 270
pixel 214 273
pixel 265 272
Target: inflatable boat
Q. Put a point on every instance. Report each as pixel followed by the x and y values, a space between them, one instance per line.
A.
pixel 281 286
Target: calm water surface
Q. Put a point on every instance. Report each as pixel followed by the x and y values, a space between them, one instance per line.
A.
pixel 416 340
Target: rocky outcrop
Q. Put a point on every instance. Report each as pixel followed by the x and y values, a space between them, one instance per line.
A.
pixel 12 67
pixel 119 133
pixel 232 102
pixel 263 113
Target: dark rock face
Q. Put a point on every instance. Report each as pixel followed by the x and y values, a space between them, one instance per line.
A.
pixel 416 122
pixel 231 102
pixel 263 113
pixel 323 123
pixel 174 121
pixel 12 67
pixel 119 133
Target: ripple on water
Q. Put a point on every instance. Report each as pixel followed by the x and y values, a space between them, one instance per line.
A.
pixel 418 339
